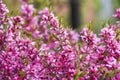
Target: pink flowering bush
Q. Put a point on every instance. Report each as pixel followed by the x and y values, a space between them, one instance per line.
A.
pixel 34 46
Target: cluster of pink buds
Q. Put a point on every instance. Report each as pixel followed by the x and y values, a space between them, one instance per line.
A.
pixel 3 12
pixel 37 47
pixel 117 13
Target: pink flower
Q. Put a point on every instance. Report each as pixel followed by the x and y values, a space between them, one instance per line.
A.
pixel 3 12
pixel 107 34
pixel 37 47
pixel 89 38
pixel 27 11
pixel 117 13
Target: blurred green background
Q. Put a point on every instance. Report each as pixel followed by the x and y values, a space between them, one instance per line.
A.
pixel 95 12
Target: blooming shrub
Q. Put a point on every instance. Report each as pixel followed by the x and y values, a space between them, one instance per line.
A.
pixel 34 46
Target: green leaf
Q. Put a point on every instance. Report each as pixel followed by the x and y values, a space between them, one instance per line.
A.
pixel 22 74
pixel 90 25
pixel 80 75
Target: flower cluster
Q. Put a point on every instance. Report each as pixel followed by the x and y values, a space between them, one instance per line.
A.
pixel 102 53
pixel 3 12
pixel 37 47
pixel 117 13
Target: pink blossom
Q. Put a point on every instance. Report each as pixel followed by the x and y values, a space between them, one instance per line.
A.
pixel 3 12
pixel 117 13
pixel 27 11
pixel 37 47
